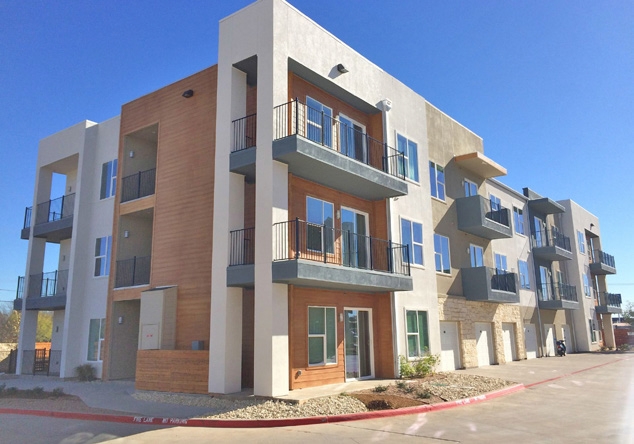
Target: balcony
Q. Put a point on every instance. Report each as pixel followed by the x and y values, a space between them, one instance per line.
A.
pixel 319 256
pixel 325 150
pixel 557 296
pixel 53 219
pixel 487 284
pixel 133 272
pixel 138 185
pixel 602 263
pixel 551 245
pixel 609 303
pixel 477 216
pixel 26 228
pixel 46 291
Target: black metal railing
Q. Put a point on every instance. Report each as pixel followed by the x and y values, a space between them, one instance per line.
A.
pixel 242 247
pixel 296 118
pixel 503 280
pixel 138 185
pixel 27 217
pixel 557 292
pixel 551 237
pixel 609 299
pixel 244 133
pixel 600 257
pixel 43 285
pixel 498 213
pixel 297 239
pixel 55 209
pixel 134 271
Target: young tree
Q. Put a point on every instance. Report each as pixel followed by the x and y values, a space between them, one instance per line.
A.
pixel 9 325
pixel 628 313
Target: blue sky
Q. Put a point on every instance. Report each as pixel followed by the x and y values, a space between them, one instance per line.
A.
pixel 549 85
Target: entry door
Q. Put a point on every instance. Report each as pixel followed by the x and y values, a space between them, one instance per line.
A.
pixel 449 346
pixel 354 239
pixel 550 339
pixel 508 337
pixel 539 234
pixel 530 337
pixel 358 343
pixel 352 139
pixel 484 343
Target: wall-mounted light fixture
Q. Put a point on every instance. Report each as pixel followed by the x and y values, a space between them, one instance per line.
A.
pixel 342 69
pixel 120 320
pixel 126 234
pixel 591 226
pixel 189 93
pixel 340 317
pixel 131 154
pixel 338 214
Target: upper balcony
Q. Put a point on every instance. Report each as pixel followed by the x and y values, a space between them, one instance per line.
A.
pixel 609 303
pixel 138 185
pixel 132 272
pixel 602 263
pixel 551 245
pixel 319 256
pixel 487 284
pixel 557 296
pixel 46 291
pixel 53 219
pixel 324 150
pixel 479 216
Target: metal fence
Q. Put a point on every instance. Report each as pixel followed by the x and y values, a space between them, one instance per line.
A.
pixel 53 210
pixel 138 185
pixel 244 133
pixel 134 271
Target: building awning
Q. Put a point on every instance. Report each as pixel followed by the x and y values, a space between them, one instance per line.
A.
pixel 480 164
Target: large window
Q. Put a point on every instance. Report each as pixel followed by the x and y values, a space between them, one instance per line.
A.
pixel 322 335
pixel 525 281
pixel 518 219
pixel 593 333
pixel 417 333
pixel 108 179
pixel 409 165
pixel 470 188
pixel 412 235
pixel 477 255
pixel 441 254
pixel 581 239
pixel 103 248
pixel 320 218
pixel 318 122
pixel 500 263
pixel 96 335
pixel 437 180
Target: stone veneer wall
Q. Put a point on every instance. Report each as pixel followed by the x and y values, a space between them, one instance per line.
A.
pixel 467 313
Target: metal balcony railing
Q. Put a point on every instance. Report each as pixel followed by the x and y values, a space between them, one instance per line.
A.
pixel 551 237
pixel 132 272
pixel 557 292
pixel 42 285
pixel 54 209
pixel 497 213
pixel 138 185
pixel 244 133
pixel 609 299
pixel 600 257
pixel 242 245
pixel 503 280
pixel 296 118
pixel 297 239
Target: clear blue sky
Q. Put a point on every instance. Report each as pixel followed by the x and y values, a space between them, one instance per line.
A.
pixel 549 85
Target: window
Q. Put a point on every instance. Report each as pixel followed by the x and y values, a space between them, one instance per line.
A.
pixel 437 180
pixel 322 335
pixel 500 263
pixel 470 188
pixel 318 122
pixel 581 239
pixel 103 247
pixel 496 204
pixel 518 219
pixel 319 235
pixel 409 165
pixel 441 254
pixel 412 235
pixel 96 335
pixel 108 179
pixel 586 285
pixel 352 141
pixel 593 333
pixel 417 333
pixel 477 256
pixel 525 281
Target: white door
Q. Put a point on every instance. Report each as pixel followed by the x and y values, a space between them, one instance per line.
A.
pixel 358 344
pixel 565 335
pixel 530 338
pixel 449 346
pixel 550 339
pixel 484 344
pixel 508 336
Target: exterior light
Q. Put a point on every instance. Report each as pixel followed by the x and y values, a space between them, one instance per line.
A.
pixel 189 93
pixel 342 69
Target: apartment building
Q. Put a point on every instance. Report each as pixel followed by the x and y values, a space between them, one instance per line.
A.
pixel 294 216
pixel 84 159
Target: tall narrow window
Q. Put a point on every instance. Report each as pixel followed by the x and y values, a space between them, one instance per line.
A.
pixel 477 255
pixel 103 247
pixel 108 179
pixel 500 263
pixel 318 122
pixel 322 335
pixel 518 219
pixel 412 235
pixel 408 166
pixel 320 218
pixel 496 204
pixel 417 333
pixel 437 180
pixel 524 276
pixel 96 335
pixel 441 254
pixel 470 188
pixel 586 285
pixel 581 240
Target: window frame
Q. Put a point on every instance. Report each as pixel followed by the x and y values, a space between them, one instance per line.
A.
pixel 467 188
pixel 104 266
pixel 586 286
pixel 525 278
pixel 407 154
pixel 327 139
pixel 327 242
pixel 324 336
pixel 435 183
pixel 97 348
pixel 503 260
pixel 440 254
pixel 518 219
pixel 496 202
pixel 473 248
pixel 412 244
pixel 421 349
pixel 581 240
pixel 109 171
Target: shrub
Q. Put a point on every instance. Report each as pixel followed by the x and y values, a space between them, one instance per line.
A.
pixel 58 391
pixel 380 388
pixel 624 347
pixel 379 404
pixel 37 391
pixel 402 385
pixel 425 394
pixel 2 387
pixel 419 368
pixel 11 391
pixel 85 372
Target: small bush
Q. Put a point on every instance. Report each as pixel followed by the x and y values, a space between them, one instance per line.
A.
pixel 402 385
pixel 624 347
pixel 11 391
pixel 425 394
pixel 380 388
pixel 418 368
pixel 2 387
pixel 85 372
pixel 37 391
pixel 58 391
pixel 379 404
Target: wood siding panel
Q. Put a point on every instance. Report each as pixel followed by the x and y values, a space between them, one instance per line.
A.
pixel 183 371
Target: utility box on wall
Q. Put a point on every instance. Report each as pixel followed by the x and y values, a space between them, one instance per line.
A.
pixel 157 320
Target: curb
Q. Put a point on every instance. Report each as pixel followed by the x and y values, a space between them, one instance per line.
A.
pixel 259 423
